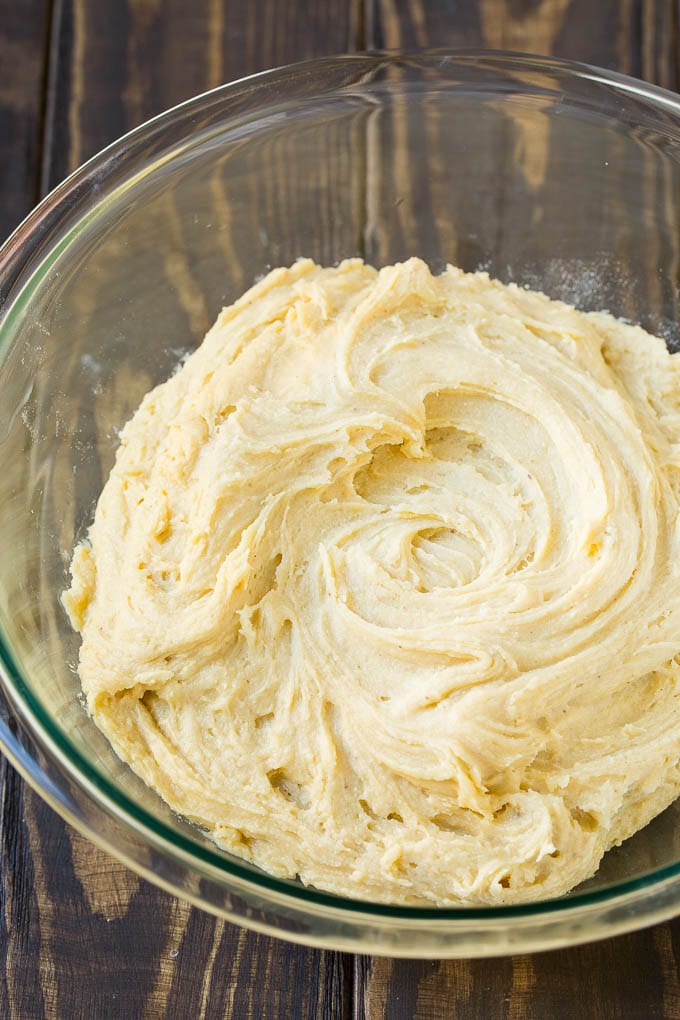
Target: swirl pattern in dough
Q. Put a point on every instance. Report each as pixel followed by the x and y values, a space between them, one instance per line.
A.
pixel 383 589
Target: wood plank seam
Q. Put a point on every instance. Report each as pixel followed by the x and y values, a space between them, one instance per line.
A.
pixel 49 96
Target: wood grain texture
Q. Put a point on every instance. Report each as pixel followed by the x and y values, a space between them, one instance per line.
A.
pixel 120 63
pixel 23 48
pixel 638 37
pixel 99 942
pixel 634 976
pixel 24 44
pixel 80 936
pixel 107 944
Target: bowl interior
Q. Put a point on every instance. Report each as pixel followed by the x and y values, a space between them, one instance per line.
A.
pixel 558 180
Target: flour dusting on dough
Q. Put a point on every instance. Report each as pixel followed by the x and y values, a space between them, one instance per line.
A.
pixel 383 589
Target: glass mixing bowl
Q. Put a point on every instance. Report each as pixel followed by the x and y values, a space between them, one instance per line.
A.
pixel 557 175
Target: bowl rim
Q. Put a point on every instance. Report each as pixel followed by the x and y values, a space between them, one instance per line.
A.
pixel 41 222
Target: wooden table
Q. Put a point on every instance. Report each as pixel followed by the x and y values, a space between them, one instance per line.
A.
pixel 80 936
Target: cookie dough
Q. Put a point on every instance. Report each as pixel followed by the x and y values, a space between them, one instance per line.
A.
pixel 384 587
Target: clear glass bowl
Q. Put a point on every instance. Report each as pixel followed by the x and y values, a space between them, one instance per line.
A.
pixel 557 175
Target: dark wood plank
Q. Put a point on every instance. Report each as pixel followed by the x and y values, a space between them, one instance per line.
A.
pixel 24 39
pixel 104 943
pixel 121 63
pixel 630 978
pixel 80 935
pixel 637 37
pixel 23 46
pixel 633 976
